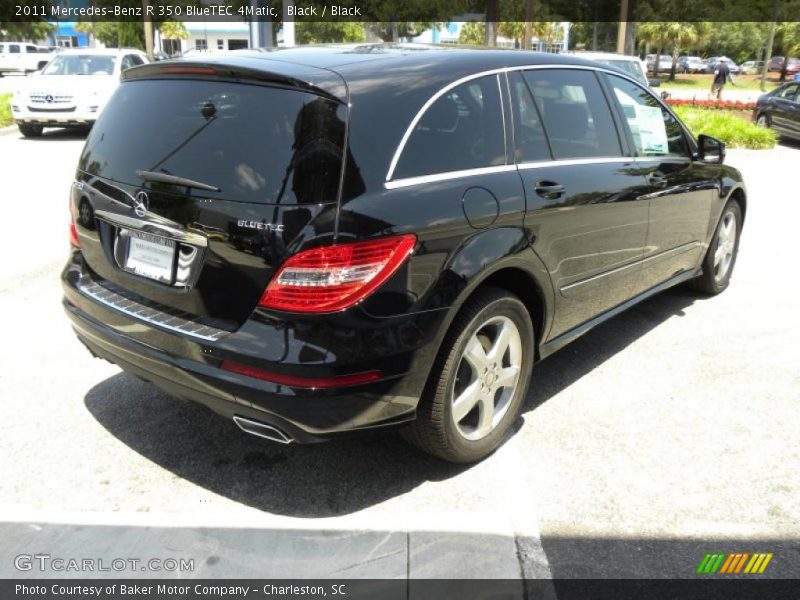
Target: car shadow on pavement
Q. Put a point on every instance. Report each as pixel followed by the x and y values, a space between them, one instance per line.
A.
pixel 789 143
pixel 341 476
pixel 560 370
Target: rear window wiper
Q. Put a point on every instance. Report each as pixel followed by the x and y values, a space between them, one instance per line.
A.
pixel 175 180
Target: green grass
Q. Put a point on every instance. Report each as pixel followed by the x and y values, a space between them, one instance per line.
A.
pixel 5 110
pixel 703 82
pixel 733 130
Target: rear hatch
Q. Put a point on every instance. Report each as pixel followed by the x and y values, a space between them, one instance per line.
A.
pixel 191 192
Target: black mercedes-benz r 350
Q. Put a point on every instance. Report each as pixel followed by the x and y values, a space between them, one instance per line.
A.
pixel 319 241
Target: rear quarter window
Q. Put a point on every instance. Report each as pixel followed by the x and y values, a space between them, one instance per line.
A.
pixel 256 143
pixel 461 130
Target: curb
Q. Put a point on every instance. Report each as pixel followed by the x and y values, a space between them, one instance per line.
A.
pixel 243 552
pixel 9 130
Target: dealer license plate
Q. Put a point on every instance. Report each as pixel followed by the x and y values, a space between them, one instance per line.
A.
pixel 150 256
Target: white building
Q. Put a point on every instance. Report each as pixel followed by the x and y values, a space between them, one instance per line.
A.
pixel 209 36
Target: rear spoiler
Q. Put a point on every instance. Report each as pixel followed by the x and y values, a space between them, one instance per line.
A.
pixel 318 81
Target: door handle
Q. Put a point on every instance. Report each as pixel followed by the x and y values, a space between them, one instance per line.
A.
pixel 548 189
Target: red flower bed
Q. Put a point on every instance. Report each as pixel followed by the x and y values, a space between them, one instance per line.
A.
pixel 713 104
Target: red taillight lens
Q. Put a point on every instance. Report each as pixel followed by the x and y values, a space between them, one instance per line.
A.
pixel 73 236
pixel 332 278
pixel 302 382
pixel 73 232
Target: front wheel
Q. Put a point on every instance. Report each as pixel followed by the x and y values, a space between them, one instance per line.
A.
pixel 479 380
pixel 29 130
pixel 721 256
pixel 763 120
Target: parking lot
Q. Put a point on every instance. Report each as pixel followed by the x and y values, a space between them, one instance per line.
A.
pixel 666 433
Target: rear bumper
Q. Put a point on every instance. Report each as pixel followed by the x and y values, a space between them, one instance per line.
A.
pixel 190 369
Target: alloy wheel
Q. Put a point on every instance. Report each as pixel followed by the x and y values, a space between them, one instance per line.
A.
pixel 487 377
pixel 726 244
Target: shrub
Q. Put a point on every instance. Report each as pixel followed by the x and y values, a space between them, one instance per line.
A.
pixel 734 131
pixel 713 104
pixel 5 110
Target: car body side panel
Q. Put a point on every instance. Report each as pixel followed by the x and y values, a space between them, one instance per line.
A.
pixel 680 209
pixel 591 238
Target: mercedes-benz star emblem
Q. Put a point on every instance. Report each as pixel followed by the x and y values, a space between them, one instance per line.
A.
pixel 140 204
pixel 48 98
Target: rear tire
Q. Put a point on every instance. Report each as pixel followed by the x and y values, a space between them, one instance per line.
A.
pixel 721 256
pixel 479 380
pixel 30 131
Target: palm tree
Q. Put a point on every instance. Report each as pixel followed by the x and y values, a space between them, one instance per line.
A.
pixel 173 30
pixel 674 35
pixel 653 33
pixel 519 31
pixel 681 35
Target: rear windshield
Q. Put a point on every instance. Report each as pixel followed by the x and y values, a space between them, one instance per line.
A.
pixel 257 144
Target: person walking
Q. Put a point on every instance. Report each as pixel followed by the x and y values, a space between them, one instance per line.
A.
pixel 722 75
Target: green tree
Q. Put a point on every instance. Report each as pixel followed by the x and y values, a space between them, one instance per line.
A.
pixel 391 31
pixel 787 43
pixel 738 41
pixel 675 36
pixel 471 34
pixel 173 30
pixel 329 32
pixel 120 34
pixel 515 30
pixel 31 31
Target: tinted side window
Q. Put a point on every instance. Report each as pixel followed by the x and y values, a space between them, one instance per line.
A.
pixel 136 60
pixel 462 129
pixel 529 138
pixel 127 62
pixel 789 92
pixel 654 130
pixel 576 116
pixel 30 49
pixel 13 48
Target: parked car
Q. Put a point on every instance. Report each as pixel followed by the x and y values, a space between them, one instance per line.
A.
pixel 423 239
pixel 775 63
pixel 751 66
pixel 793 67
pixel 711 64
pixel 691 64
pixel 72 89
pixel 24 58
pixel 632 65
pixel 664 63
pixel 780 110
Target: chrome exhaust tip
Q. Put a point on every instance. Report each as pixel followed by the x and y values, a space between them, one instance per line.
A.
pixel 262 430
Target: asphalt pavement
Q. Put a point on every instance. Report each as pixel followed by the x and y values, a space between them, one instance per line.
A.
pixel 669 432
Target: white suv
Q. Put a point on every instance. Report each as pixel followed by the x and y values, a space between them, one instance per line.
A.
pixel 21 57
pixel 72 89
pixel 632 65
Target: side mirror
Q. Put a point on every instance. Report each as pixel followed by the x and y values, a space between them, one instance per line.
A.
pixel 654 82
pixel 710 149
